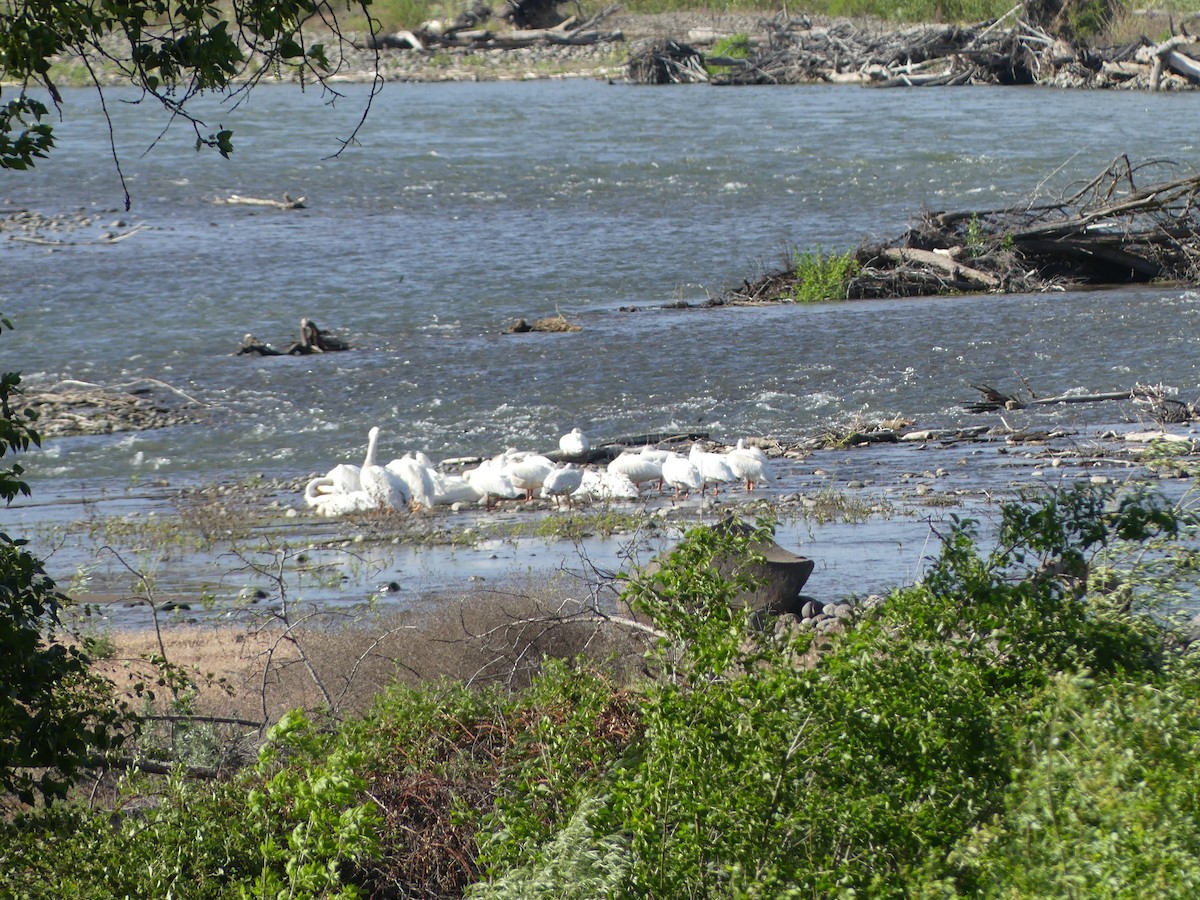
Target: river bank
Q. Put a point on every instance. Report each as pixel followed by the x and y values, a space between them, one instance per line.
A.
pixel 742 49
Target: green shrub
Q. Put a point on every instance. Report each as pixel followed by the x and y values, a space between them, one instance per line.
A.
pixel 736 46
pixel 818 277
pixel 1102 804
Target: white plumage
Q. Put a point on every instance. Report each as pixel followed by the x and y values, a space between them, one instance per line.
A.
pixel 713 468
pixel 528 472
pixel 605 485
pixel 639 467
pixel 384 487
pixel 563 482
pixel 344 477
pixel 490 480
pixel 417 478
pixel 681 473
pixel 574 443
pixel 322 495
pixel 749 464
pixel 448 489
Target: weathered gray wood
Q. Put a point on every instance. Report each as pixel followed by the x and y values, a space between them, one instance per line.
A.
pixel 944 262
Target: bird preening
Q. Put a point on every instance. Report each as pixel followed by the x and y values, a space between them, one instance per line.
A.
pixel 413 483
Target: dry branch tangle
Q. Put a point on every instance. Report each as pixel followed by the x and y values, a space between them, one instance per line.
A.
pixel 795 51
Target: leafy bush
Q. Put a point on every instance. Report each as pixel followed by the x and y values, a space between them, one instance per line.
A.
pixel 818 277
pixel 870 768
pixel 1102 803
pixel 289 827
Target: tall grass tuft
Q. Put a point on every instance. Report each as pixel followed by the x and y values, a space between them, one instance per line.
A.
pixel 818 276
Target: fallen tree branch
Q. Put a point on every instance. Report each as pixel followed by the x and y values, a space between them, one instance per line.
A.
pixel 286 203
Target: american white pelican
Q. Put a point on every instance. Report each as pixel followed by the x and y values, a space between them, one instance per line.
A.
pixel 417 478
pixel 490 480
pixel 345 478
pixel 638 467
pixel 563 483
pixel 574 443
pixel 386 488
pixel 604 485
pixel 714 469
pixel 448 489
pixel 321 494
pixel 681 473
pixel 748 463
pixel 529 472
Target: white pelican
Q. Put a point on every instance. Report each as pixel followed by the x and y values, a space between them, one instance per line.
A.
pixel 417 479
pixel 604 485
pixel 490 481
pixel 345 478
pixel 681 473
pixel 448 489
pixel 386 488
pixel 563 483
pixel 714 469
pixel 638 467
pixel 529 472
pixel 748 463
pixel 321 494
pixel 574 443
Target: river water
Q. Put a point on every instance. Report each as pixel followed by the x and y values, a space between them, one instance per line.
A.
pixel 464 206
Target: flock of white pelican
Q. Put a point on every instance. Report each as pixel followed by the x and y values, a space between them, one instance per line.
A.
pixel 413 482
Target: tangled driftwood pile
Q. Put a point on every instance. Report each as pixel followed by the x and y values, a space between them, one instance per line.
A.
pixel 1009 50
pixel 531 23
pixel 1131 223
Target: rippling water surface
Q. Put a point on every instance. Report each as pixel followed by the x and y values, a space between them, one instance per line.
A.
pixel 465 206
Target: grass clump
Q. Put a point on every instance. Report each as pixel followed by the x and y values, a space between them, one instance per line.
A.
pixel 818 277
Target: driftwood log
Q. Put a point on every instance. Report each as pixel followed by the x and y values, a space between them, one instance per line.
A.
pixel 1163 408
pixel 288 202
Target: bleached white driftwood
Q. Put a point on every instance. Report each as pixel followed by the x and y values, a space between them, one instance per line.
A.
pixel 944 262
pixel 286 203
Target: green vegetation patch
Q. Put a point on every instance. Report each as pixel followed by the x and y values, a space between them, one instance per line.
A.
pixel 818 276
